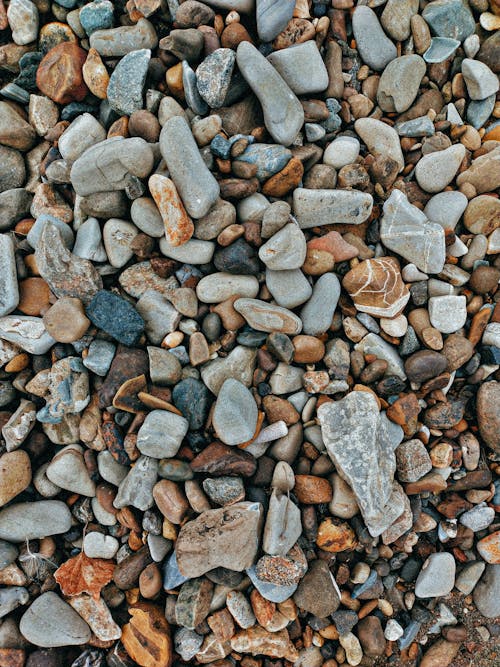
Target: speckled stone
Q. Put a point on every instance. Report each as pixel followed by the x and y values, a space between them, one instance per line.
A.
pixel 116 317
pixel 126 84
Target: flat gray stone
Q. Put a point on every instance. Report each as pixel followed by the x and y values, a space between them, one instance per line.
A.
pixel 283 525
pixel 272 17
pixel 361 445
pixel 197 187
pixel 264 316
pixel 437 576
pixel 9 292
pixel 441 49
pixel 88 243
pixel 449 18
pixel 469 576
pixel 399 83
pixel 235 415
pixel 51 622
pixel 217 287
pixel 137 487
pixel 159 315
pixel 193 251
pixel 375 48
pixel 35 232
pixel 27 332
pixel 146 216
pixel 302 67
pixel 318 312
pixel 161 434
pixel 84 132
pixel 120 41
pixel 288 288
pixel 126 83
pixel 34 520
pixel 285 250
pixel 283 113
pixel 118 235
pixel 313 208
pixel 372 343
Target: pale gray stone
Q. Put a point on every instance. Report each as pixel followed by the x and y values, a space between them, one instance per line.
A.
pixel 375 48
pixel 124 39
pixel 318 312
pixel 283 525
pixel 126 83
pixel 193 251
pixel 314 208
pixel 137 487
pixel 146 216
pixel 218 287
pixel 285 250
pixel 51 622
pixel 117 236
pixel 27 332
pixel 380 139
pixel 161 434
pixel 98 545
pixel 283 113
pixel 373 344
pixel 436 170
pixel 11 598
pixel 487 592
pixel 84 132
pixel 9 292
pixel 23 19
pixel 437 576
pixel 34 520
pixel 302 67
pixel 88 243
pixel 160 317
pixel 288 288
pixel 239 365
pixel 235 414
pixel 448 313
pixel 399 83
pixel 109 468
pixel 272 17
pixel 35 233
pixel 446 208
pixel 478 518
pixel 264 316
pixel 481 82
pixel 68 471
pixel 469 576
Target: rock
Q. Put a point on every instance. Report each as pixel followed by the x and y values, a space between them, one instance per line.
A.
pixel 342 151
pixel 436 170
pixel 85 131
pixel 193 602
pixel 406 230
pixel 15 132
pixel 118 236
pixel 441 49
pixel 34 520
pixel 335 536
pixel 116 317
pixel 446 208
pixel 488 53
pixel 15 475
pixel 318 312
pixel 240 609
pixel 318 593
pixel 218 287
pixel 400 82
pixel 213 76
pixel 22 16
pixel 263 316
pixel 235 414
pixel 424 365
pixel 226 537
pixel 178 225
pixel 126 83
pixel 272 17
pixel 488 415
pixel 59 75
pixel 65 321
pixel 283 525
pixel 288 288
pixel 347 427
pixel 481 82
pixel 440 654
pixel 146 217
pixel 437 576
pixel 26 332
pixel 483 172
pixel 375 48
pixel 99 357
pixel 302 68
pixel 381 139
pixel 396 18
pixel 285 250
pixel 489 548
pixel 97 615
pixel 13 171
pixel 412 461
pixel 447 313
pixel 68 471
pixel 449 18
pixel 125 39
pixel 112 165
pixel 283 113
pixel 239 257
pixel 239 364
pixel 258 641
pixel 371 636
pixel 478 518
pixel 97 545
pixel 9 292
pixel 268 158
pixel 376 287
pixel 161 434
pixel 51 622
pixel 313 208
pixel 197 187
pixel 486 593
pixel 137 487
pixel 95 74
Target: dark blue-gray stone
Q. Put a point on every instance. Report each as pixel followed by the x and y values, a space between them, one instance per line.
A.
pixel 479 111
pixel 192 398
pixel 239 258
pixel 449 18
pixel 97 15
pixel 126 84
pixel 333 122
pixel 441 49
pixel 28 65
pixel 116 316
pixel 409 635
pixel 269 159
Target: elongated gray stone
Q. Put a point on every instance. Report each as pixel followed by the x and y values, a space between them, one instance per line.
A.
pixel 244 6
pixel 380 139
pixel 34 520
pixel 27 332
pixel 375 48
pixel 361 447
pixel 264 316
pixel 196 185
pixel 126 83
pixel 161 434
pixel 272 17
pixel 318 312
pixel 218 287
pixel 314 208
pixel 487 592
pixel 111 165
pixel 302 67
pixel 51 622
pixel 235 414
pixel 283 525
pixel 123 40
pixel 283 113
pixel 288 288
pixel 9 292
pixel 405 230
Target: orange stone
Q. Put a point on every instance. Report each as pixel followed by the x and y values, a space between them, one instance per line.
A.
pixel 59 75
pixel 173 78
pixel 335 535
pixel 12 657
pixel 285 180
pixel 34 296
pixel 146 637
pixel 405 412
pixel 312 490
pixel 489 548
pixel 334 243
pixel 179 227
pixel 234 34
pixel 95 74
pixel 493 135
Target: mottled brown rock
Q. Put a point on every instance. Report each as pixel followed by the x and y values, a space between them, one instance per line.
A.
pixel 335 535
pixel 317 593
pixel 60 76
pixel 218 459
pixel 488 414
pixel 146 636
pixel 95 74
pixel 440 654
pixel 170 500
pixel 128 362
pixel 376 287
pixel 15 474
pixel 371 636
pixel 127 572
pixel 312 490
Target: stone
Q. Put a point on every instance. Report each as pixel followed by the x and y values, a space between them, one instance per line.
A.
pixel 13 170
pixel 478 518
pixel 263 316
pixel 376 287
pixel 412 461
pixel 375 48
pixel 483 172
pixel 399 83
pixel 436 170
pixel 50 622
pixel 424 365
pixel 239 364
pixel 84 132
pixel 335 536
pixel 240 609
pixel 178 226
pixel 97 545
pixel 213 76
pixel 283 525
pixel 119 41
pixel 347 427
pixel 239 257
pixel 437 576
pixel 341 151
pixel 161 434
pixel 288 288
pixel 95 74
pixel 272 17
pixel 380 139
pixel 99 357
pixel 193 602
pixel 137 487
pixel 116 316
pixel 446 208
pixel 449 18
pixel 488 415
pixel 405 230
pixel 301 67
pixel 59 75
pixel 258 641
pixel 66 321
pixel 235 415
pixel 15 132
pixel 486 597
pixel 164 367
pixel 283 113
pixel 126 83
pixel 9 291
pixel 447 313
pixel 481 82
pixel 111 165
pixel 313 208
pixel 68 471
pixel 197 187
pixel 268 158
pixel 441 49
pixel 488 53
pixel 318 592
pixel 396 18
pixel 371 636
pixel 15 475
pixel 284 250
pixel 146 217
pixel 34 520
pixel 22 16
pixel 118 235
pixel 317 314
pixel 226 537
pixel 489 547
pixel 96 15
pixel 28 333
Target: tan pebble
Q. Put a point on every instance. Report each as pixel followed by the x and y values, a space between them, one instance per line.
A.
pixel 335 536
pixel 307 349
pixel 18 363
pixel 173 339
pixel 66 321
pixel 171 500
pixel 95 74
pixel 150 581
pixel 34 296
pixel 15 474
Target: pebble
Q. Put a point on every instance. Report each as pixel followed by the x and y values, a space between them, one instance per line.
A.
pixel 266 317
pixel 449 18
pixel 84 131
pixel 283 114
pixel 436 170
pixel 441 49
pixel 485 594
pixel 118 236
pixel 437 576
pixel 376 287
pixel 161 434
pixel 22 16
pixel 213 76
pixel 301 67
pixel 120 41
pixel 285 250
pixel 396 18
pixel 97 545
pixel 375 48
pixel 68 471
pixel 33 520
pixel 272 17
pixel 15 132
pixel 400 82
pixel 196 186
pixel 59 75
pixel 446 208
pixel 9 291
pixel 447 313
pixel 50 621
pixel 15 475
pixel 116 316
pixel 481 82
pixel 380 139
pixel 314 208
pixel 341 151
pixel 317 592
pixel 97 15
pixel 27 332
pixel 137 487
pixel 235 413
pixel 318 312
pixel 126 83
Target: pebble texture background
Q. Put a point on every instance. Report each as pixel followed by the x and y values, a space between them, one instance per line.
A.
pixel 249 333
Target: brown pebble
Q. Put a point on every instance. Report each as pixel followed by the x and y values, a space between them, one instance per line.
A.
pixel 59 75
pixel 34 296
pixel 66 321
pixel 312 490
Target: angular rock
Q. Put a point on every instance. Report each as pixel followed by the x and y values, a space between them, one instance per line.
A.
pixel 126 83
pixel 314 208
pixel 28 333
pixel 284 250
pixel 116 316
pixel 283 525
pixel 318 592
pixel 376 287
pixel 239 364
pixel 137 487
pixel 161 434
pixel 302 68
pixel 213 76
pixel 381 139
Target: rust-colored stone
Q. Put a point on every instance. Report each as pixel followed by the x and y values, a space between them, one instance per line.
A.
pixel 179 227
pixel 59 75
pixel 146 636
pixel 335 535
pixel 405 412
pixel 34 296
pixel 285 180
pixel 312 490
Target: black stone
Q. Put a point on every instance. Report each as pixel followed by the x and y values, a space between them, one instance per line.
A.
pixel 239 258
pixel 116 317
pixel 192 398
